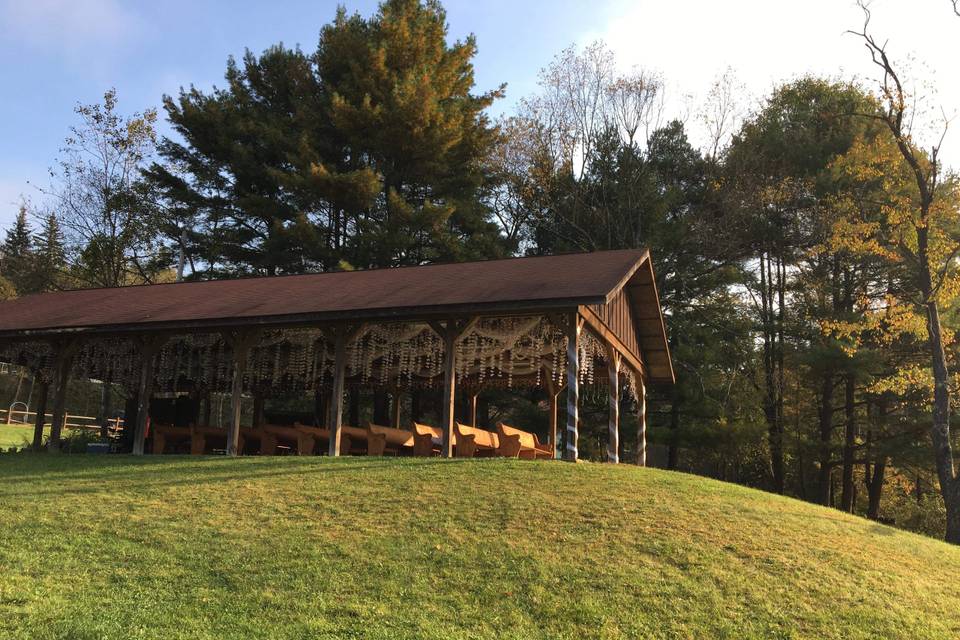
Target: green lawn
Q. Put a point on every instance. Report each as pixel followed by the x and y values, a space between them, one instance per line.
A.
pixel 15 435
pixel 179 547
pixel 20 435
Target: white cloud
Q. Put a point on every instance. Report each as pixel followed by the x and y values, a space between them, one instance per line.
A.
pixel 68 26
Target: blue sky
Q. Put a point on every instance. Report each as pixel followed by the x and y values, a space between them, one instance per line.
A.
pixel 58 52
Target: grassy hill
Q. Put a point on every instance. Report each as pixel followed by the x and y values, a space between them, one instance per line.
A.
pixel 116 547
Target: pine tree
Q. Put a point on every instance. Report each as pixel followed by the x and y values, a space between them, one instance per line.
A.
pixel 50 261
pixel 369 152
pixel 17 251
pixel 401 97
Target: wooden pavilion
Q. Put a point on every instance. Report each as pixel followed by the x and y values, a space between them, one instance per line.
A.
pixel 546 321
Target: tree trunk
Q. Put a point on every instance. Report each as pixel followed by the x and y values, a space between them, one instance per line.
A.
pixel 381 407
pixel 105 397
pixel 849 444
pixel 483 412
pixel 826 433
pixel 41 416
pixel 258 403
pixel 207 408
pixel 770 359
pixel 319 407
pixel 353 409
pixel 875 488
pixel 940 430
pixel 415 410
pixel 673 450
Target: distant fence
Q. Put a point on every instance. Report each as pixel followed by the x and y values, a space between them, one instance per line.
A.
pixel 16 416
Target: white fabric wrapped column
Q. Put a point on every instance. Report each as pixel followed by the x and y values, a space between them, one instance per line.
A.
pixel 341 335
pixel 240 343
pixel 613 430
pixel 573 387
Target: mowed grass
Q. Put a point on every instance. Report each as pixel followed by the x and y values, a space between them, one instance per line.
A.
pixel 21 435
pixel 15 435
pixel 182 547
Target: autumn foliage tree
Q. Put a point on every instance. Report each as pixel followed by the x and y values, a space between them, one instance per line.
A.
pixel 921 233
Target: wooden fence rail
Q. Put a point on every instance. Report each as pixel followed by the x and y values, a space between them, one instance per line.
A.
pixel 78 422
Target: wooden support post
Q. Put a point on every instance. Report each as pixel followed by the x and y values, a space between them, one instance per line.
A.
pixel 642 420
pixel 450 332
pixel 240 343
pixel 65 352
pixel 341 336
pixel 449 389
pixel 396 408
pixel 473 409
pixel 613 429
pixel 149 346
pixel 574 328
pixel 41 413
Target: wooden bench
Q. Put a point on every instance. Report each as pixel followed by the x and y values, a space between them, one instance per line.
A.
pixel 301 438
pixel 516 443
pixel 382 439
pixel 164 434
pixel 471 441
pixel 427 440
pixel 200 438
pixel 351 438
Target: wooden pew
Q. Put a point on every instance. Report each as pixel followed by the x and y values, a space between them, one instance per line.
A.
pixel 353 440
pixel 300 438
pixel 350 438
pixel 308 438
pixel 471 441
pixel 382 439
pixel 516 443
pixel 426 440
pixel 201 438
pixel 164 434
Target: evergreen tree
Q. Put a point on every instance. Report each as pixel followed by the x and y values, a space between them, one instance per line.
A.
pixel 17 252
pixel 368 152
pixel 400 97
pixel 50 258
pixel 779 190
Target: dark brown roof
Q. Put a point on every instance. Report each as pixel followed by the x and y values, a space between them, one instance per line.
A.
pixel 513 285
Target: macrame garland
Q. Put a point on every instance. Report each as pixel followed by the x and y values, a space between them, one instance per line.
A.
pixel 507 351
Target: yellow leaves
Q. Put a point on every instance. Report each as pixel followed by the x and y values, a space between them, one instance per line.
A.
pixel 857 237
pixel 883 324
pixel 900 320
pixel 848 334
pixel 907 379
pixel 910 379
